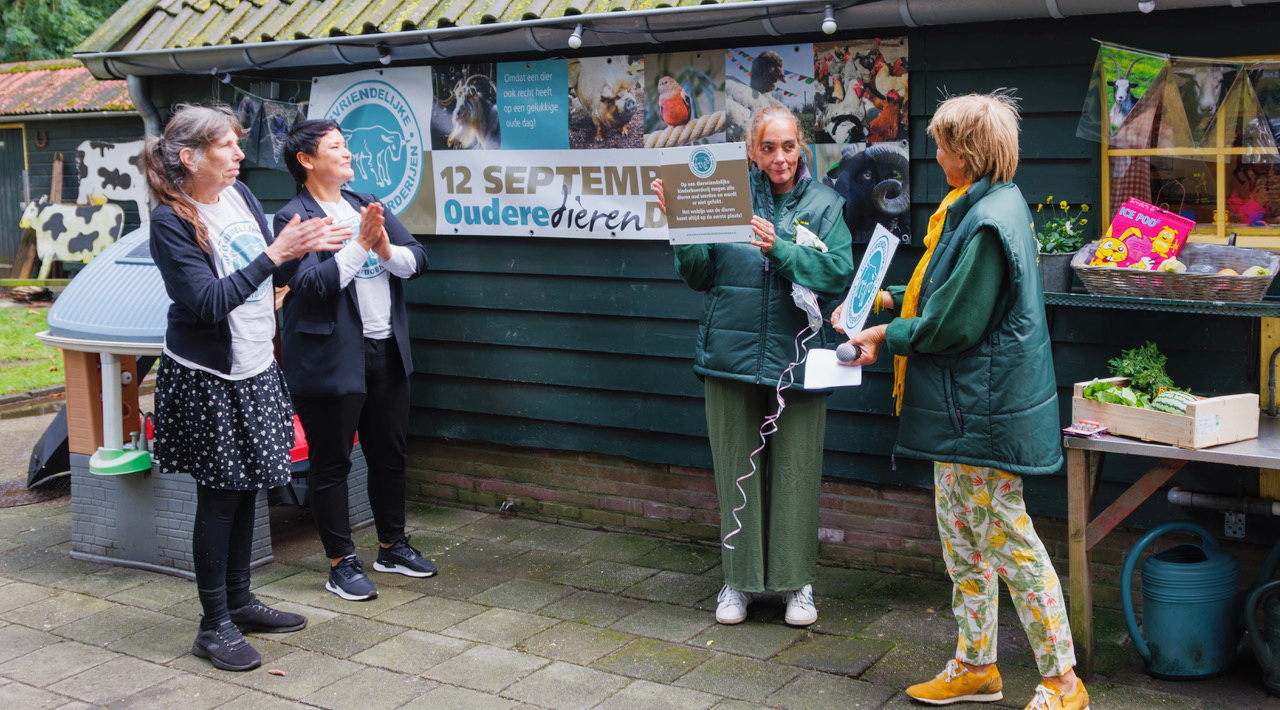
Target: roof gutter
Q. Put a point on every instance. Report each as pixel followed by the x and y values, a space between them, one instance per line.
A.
pixel 602 31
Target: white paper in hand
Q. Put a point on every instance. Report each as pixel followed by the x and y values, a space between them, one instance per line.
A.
pixel 823 371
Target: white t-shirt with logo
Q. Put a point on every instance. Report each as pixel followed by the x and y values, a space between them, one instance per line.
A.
pixel 235 240
pixel 370 273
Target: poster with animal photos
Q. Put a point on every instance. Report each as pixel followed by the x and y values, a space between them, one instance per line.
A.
pixel 568 147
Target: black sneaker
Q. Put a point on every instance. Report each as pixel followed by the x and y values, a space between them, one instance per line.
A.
pixel 349 581
pixel 226 648
pixel 256 616
pixel 402 558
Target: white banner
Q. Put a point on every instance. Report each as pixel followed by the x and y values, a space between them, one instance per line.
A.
pixel 598 194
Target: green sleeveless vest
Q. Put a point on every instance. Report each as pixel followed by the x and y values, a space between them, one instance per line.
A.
pixel 996 404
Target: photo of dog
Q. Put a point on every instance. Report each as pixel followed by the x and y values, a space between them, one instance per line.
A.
pixel 756 77
pixel 465 111
pixel 606 102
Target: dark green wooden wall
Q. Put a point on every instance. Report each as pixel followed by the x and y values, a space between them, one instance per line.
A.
pixel 587 345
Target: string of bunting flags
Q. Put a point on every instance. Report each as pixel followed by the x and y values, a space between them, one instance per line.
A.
pixel 1139 99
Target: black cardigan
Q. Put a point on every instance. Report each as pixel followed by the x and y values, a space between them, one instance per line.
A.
pixel 198 330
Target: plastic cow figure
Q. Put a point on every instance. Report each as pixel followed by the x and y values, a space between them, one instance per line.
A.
pixel 111 170
pixel 71 232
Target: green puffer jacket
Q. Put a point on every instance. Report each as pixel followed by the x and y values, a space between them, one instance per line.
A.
pixel 749 321
pixel 996 404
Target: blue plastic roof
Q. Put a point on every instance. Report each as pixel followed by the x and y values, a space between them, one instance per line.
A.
pixel 117 297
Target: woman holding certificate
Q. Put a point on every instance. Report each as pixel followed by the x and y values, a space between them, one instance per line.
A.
pixel 766 439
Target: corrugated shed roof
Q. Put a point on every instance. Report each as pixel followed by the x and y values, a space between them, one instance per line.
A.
pixel 174 24
pixel 58 86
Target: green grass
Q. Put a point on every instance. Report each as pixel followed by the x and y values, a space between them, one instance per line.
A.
pixel 25 362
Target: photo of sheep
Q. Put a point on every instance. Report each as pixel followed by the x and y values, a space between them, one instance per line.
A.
pixel 606 105
pixel 684 99
pixel 756 77
pixel 861 94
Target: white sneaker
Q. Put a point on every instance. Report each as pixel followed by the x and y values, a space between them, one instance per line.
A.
pixel 800 608
pixel 733 606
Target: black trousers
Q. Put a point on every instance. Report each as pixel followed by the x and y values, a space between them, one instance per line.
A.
pixel 381 416
pixel 222 545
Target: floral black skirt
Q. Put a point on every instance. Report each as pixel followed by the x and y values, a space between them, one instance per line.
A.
pixel 228 434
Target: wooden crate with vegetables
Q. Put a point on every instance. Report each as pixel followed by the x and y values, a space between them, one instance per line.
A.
pixel 1143 402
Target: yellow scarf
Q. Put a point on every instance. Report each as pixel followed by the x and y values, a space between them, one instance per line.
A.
pixel 911 299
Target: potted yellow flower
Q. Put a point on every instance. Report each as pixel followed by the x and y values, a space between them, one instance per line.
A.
pixel 1060 232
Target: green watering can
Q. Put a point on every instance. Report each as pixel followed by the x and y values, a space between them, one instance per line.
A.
pixel 1266 641
pixel 1190 606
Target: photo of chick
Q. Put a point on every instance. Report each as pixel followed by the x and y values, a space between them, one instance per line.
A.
pixel 606 102
pixel 464 115
pixel 861 94
pixel 757 77
pixel 684 99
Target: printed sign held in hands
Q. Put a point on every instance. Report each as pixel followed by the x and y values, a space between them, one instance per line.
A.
pixel 707 192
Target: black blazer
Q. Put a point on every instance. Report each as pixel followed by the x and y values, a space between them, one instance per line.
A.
pixel 197 326
pixel 322 334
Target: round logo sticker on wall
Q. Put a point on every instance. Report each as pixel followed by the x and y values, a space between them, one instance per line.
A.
pixel 385 141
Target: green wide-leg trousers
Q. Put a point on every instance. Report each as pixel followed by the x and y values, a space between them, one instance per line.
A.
pixel 776 548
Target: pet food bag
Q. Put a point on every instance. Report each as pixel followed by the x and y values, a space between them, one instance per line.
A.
pixel 1142 236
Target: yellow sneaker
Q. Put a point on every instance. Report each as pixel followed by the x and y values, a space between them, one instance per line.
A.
pixel 957 684
pixel 1050 698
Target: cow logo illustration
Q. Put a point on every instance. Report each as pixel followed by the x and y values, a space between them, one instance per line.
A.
pixel 385 140
pixel 702 163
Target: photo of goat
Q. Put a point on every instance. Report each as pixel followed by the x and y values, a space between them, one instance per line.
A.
pixel 464 114
pixel 1128 76
pixel 1202 86
pixel 684 99
pixel 861 94
pixel 756 77
pixel 606 102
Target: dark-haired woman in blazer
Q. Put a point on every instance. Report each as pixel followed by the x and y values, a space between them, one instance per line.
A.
pixel 346 357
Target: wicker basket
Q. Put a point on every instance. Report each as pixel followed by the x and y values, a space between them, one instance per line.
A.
pixel 1123 281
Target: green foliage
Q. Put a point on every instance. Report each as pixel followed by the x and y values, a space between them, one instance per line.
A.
pixel 49 29
pixel 1144 366
pixel 1111 393
pixel 25 362
pixel 1060 230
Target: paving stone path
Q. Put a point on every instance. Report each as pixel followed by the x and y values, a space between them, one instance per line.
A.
pixel 524 615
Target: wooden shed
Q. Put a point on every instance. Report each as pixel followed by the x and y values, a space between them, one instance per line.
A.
pixel 555 374
pixel 48 109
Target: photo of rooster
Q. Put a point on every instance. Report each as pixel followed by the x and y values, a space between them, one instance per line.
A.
pixel 606 102
pixel 464 115
pixel 862 91
pixel 683 87
pixel 756 77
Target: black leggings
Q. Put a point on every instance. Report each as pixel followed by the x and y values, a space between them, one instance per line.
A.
pixel 222 545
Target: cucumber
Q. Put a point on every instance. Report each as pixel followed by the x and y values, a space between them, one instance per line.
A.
pixel 1173 402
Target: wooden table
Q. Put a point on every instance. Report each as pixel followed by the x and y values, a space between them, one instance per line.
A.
pixel 1084 461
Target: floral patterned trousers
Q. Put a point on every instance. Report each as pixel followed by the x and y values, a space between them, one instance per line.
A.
pixel 986 532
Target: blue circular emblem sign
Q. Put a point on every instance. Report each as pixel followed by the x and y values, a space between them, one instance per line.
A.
pixel 385 141
pixel 702 163
pixel 865 287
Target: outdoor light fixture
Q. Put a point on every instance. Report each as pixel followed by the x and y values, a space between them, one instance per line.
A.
pixel 575 39
pixel 221 76
pixel 1146 5
pixel 384 53
pixel 829 21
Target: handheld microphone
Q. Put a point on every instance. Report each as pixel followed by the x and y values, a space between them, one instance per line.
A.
pixel 848 352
